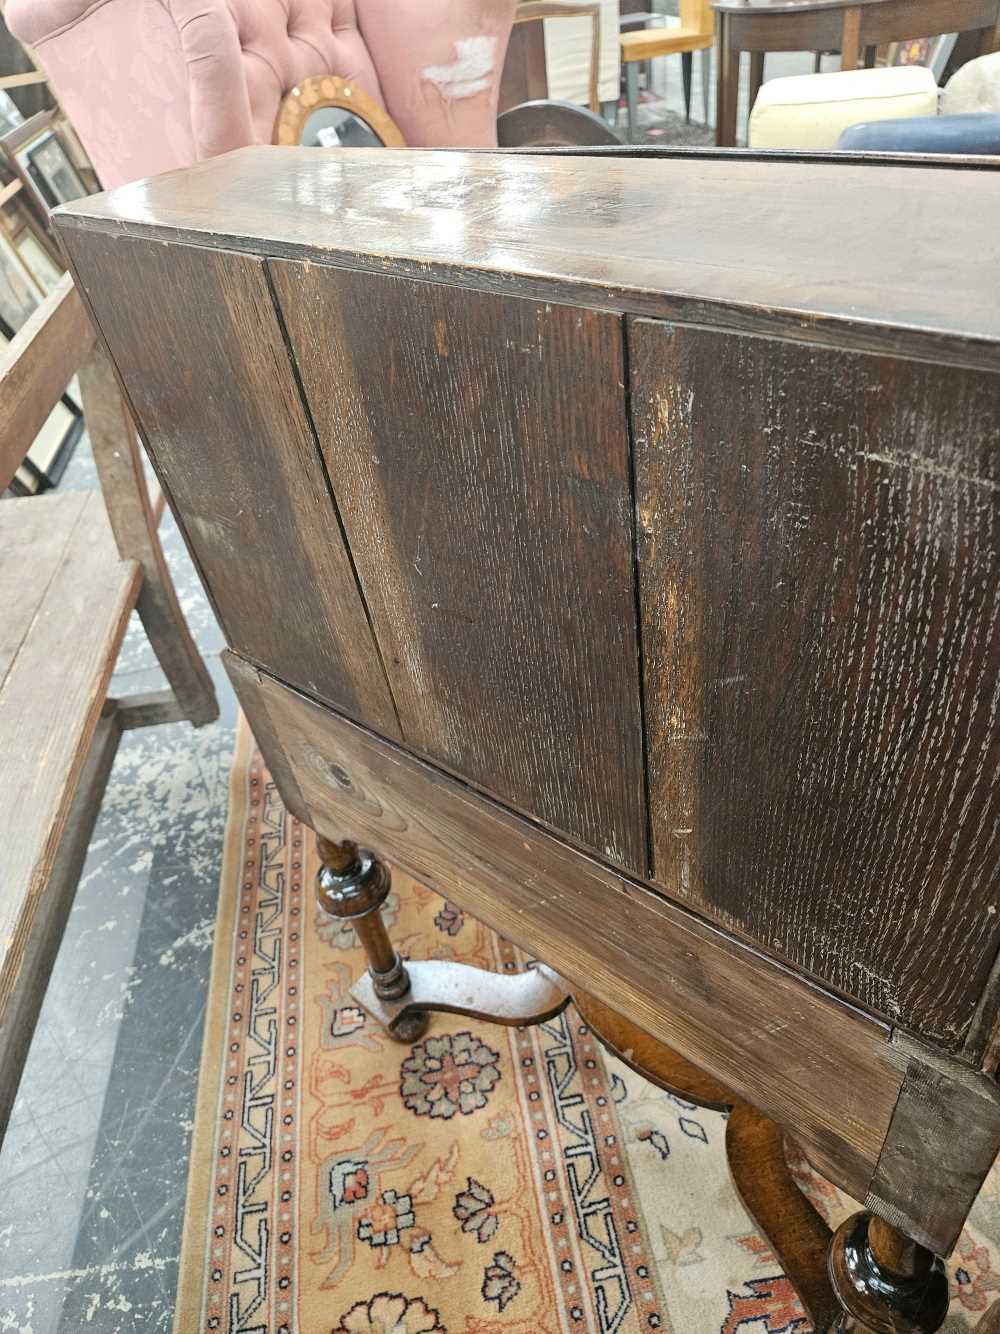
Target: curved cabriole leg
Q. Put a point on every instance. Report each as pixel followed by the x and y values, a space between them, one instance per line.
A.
pixel 352 886
pixel 886 1283
pixel 754 1150
pixel 868 1278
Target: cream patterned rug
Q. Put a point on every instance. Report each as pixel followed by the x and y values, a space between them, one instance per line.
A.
pixel 484 1179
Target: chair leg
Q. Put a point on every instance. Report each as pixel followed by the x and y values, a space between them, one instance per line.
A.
pixel 687 65
pixel 885 1283
pixel 632 98
pixel 119 467
pixel 817 62
pixel 706 81
pixel 756 77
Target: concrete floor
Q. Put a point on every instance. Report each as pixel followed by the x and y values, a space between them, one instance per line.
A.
pixel 94 1165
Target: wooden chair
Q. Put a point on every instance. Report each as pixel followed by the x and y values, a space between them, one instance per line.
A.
pixel 73 566
pixel 696 33
pixel 524 76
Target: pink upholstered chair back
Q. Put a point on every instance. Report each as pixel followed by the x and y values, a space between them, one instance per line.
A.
pixel 155 84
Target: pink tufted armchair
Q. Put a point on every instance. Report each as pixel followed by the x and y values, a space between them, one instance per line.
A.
pixel 155 84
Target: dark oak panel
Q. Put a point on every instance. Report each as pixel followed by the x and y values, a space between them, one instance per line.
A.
pixel 803 1057
pixel 594 230
pixel 197 342
pixel 478 447
pixel 820 594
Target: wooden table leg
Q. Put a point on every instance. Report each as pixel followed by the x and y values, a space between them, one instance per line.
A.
pixel 850 42
pixel 756 77
pixel 727 85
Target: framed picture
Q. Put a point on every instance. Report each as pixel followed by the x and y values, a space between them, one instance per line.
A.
pixel 20 295
pixel 47 163
pixel 37 154
pixel 10 117
pixel 37 260
pixel 53 446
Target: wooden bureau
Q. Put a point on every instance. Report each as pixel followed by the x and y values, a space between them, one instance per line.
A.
pixel 613 542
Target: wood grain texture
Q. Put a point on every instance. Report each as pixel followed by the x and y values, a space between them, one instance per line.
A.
pixel 942 1140
pixel 820 593
pixel 478 448
pixel 793 1051
pixel 35 367
pixel 590 230
pixel 212 389
pixel 27 984
pixel 80 619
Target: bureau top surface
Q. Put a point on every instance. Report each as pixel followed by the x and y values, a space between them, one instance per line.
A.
pixel 894 256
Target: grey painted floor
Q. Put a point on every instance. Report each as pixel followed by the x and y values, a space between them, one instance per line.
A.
pixel 94 1165
pixel 93 1168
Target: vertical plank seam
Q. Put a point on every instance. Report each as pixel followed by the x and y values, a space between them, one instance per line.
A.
pixel 626 325
pixel 328 480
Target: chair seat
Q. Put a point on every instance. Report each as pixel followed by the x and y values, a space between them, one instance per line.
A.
pixel 653 42
pixel 66 596
pixel 811 110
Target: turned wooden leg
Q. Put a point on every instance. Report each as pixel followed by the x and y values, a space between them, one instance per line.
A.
pixel 886 1283
pixel 352 885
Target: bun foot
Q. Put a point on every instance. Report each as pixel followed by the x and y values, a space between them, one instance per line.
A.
pixel 885 1282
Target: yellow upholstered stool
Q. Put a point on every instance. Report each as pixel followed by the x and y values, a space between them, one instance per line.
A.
pixel 811 110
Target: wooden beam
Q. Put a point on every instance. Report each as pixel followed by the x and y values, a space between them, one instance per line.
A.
pixel 28 991
pixel 35 368
pixel 148 709
pixel 10 190
pixel 119 467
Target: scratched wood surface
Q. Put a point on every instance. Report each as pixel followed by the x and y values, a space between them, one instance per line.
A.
pixel 66 597
pixel 197 343
pixel 744 243
pixel 478 447
pixel 803 1057
pixel 941 1142
pixel 820 598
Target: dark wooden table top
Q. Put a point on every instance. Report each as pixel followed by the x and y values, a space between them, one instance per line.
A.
pixel 905 257
pixel 788 6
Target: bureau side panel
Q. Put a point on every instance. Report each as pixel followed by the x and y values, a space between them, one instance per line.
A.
pixel 198 347
pixel 818 1066
pixel 478 447
pixel 820 593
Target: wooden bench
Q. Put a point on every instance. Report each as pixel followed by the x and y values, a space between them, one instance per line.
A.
pixel 73 567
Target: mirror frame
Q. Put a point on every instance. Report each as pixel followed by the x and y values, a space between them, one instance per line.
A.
pixel 327 90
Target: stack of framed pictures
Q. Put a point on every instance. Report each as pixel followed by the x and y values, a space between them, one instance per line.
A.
pixel 20 296
pixel 37 153
pixel 40 174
